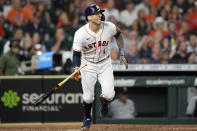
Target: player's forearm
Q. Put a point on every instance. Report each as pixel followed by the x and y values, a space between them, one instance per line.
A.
pixel 119 41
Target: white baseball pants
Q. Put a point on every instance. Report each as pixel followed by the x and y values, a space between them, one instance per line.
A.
pixel 101 71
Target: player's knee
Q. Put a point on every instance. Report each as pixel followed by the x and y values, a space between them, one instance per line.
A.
pixel 88 99
pixel 109 96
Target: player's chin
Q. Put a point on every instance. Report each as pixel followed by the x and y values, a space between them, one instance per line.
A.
pixel 99 21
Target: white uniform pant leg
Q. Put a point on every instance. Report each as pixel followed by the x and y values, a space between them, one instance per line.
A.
pixel 88 80
pixel 106 79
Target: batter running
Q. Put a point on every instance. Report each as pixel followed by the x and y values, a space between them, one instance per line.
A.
pixel 91 46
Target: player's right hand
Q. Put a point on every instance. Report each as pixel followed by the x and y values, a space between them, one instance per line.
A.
pixel 76 76
pixel 123 60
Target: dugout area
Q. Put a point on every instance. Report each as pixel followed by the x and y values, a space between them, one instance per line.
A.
pixel 160 97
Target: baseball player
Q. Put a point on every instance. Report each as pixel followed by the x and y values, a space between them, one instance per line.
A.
pixel 91 46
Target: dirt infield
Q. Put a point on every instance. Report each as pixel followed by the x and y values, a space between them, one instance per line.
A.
pixel 95 127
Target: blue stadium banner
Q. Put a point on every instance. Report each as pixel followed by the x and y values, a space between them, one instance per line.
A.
pixel 45 60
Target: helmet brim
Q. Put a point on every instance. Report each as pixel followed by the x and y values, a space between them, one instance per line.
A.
pixel 101 11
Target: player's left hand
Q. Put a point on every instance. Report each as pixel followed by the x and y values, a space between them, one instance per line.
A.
pixel 76 76
pixel 123 60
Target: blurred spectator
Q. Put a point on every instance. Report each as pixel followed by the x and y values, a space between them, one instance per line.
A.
pixel 182 5
pixel 159 26
pixel 184 30
pixel 155 39
pixel 144 5
pixel 46 3
pixel 27 43
pixel 131 36
pixel 155 56
pixel 9 62
pixel 40 48
pixel 192 58
pixel 191 92
pixel 165 43
pixel 69 16
pixel 83 5
pixel 164 14
pixel 119 4
pixel 172 35
pixel 144 59
pixel 132 55
pixel 193 17
pixel 140 25
pixel 111 11
pixel 16 15
pixel 174 13
pixel 127 16
pixel 192 44
pixel 191 110
pixel 114 56
pixel 59 4
pixel 35 25
pixel 18 34
pixel 126 37
pixel 181 56
pixel 158 3
pixel 26 49
pixel 143 47
pixel 60 45
pixel 122 107
pixel 45 16
pixel 150 17
pixel 184 18
pixel 164 56
pixel 29 9
pixel 6 7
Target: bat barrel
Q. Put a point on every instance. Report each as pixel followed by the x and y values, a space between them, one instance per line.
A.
pixel 44 97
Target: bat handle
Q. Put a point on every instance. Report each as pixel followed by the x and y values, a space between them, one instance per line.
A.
pixel 65 80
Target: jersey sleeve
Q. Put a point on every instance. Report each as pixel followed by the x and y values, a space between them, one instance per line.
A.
pixel 77 43
pixel 113 28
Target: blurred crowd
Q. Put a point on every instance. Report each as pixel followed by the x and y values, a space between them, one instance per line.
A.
pixel 154 31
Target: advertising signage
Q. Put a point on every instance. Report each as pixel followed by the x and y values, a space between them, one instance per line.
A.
pixel 17 97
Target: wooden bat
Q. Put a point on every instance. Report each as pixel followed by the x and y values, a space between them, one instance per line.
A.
pixel 124 61
pixel 46 95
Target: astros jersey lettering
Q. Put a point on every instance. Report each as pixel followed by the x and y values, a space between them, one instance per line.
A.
pixel 95 51
pixel 94 46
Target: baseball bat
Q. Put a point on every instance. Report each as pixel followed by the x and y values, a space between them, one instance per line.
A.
pixel 124 61
pixel 46 95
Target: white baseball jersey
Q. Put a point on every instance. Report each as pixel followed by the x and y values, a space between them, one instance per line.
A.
pixel 94 46
pixel 95 51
